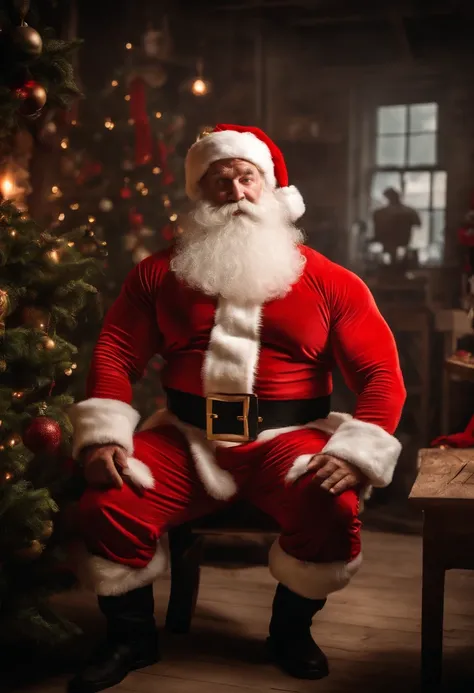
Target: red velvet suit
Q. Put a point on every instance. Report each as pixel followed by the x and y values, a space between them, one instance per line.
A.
pixel 285 349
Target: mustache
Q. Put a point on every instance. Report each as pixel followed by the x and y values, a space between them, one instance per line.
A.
pixel 220 215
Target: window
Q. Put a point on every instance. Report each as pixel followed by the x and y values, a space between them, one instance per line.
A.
pixel 406 158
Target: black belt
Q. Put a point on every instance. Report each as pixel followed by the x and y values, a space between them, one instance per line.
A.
pixel 240 418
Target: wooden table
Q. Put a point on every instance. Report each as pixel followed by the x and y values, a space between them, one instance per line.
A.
pixel 444 490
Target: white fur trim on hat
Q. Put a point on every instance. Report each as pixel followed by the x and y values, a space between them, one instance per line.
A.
pixel 290 198
pixel 226 144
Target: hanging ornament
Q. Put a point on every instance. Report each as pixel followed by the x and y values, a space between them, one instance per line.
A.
pixel 125 193
pixel 106 205
pixel 32 97
pixel 29 553
pixel 43 435
pixel 168 232
pixel 135 219
pixel 27 41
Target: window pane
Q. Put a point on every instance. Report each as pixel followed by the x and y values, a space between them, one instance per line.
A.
pixel 420 235
pixel 391 120
pixel 422 150
pixel 417 189
pixel 391 151
pixel 423 117
pixel 381 181
pixel 438 226
pixel 439 190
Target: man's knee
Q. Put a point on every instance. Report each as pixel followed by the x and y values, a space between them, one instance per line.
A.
pixel 345 506
pixel 111 526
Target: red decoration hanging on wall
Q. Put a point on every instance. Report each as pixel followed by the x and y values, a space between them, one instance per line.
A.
pixel 138 112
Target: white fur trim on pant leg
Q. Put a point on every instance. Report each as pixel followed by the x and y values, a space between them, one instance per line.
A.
pixel 98 421
pixel 139 473
pixel 310 580
pixel 107 578
pixel 368 447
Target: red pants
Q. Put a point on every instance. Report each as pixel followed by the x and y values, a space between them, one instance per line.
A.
pixel 319 546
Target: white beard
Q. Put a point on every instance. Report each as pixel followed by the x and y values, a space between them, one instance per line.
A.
pixel 251 257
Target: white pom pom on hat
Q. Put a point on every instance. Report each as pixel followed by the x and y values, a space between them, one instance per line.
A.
pixel 248 143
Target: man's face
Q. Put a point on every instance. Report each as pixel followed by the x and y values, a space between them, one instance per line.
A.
pixel 232 180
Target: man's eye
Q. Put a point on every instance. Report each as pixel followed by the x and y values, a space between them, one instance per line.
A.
pixel 246 180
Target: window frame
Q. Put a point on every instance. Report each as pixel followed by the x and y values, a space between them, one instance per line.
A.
pixel 373 168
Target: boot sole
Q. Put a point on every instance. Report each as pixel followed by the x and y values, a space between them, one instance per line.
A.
pixel 293 670
pixel 81 687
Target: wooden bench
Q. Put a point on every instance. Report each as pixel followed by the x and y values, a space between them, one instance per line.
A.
pixel 444 490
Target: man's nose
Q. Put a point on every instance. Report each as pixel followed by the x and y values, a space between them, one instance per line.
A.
pixel 236 193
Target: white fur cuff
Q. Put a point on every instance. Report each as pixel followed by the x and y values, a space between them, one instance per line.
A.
pixel 368 447
pixel 310 580
pixel 99 421
pixel 106 578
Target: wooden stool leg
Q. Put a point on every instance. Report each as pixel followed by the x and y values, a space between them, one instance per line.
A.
pixel 432 610
pixel 185 555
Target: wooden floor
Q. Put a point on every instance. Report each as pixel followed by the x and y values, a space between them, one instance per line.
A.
pixel 370 631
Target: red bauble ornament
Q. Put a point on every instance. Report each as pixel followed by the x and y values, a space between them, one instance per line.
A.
pixel 43 435
pixel 168 232
pixel 136 220
pixel 32 97
pixel 125 193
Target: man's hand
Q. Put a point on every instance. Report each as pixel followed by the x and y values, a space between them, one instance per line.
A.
pixel 335 475
pixel 103 464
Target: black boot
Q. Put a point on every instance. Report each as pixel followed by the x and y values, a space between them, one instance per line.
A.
pixel 290 641
pixel 132 641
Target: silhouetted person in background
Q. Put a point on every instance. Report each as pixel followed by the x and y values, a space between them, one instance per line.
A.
pixel 394 222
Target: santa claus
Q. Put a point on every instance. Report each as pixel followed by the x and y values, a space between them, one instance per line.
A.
pixel 250 323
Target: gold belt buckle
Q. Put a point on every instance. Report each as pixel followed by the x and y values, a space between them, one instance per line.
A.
pixel 211 416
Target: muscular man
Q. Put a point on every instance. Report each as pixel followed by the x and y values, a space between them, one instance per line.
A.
pixel 250 323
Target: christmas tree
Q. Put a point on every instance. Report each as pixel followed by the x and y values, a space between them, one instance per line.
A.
pixel 120 177
pixel 44 286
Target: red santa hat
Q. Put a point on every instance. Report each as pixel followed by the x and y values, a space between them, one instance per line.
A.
pixel 250 144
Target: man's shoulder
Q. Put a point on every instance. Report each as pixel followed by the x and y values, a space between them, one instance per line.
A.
pixel 150 272
pixel 328 272
pixel 316 262
pixel 156 263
